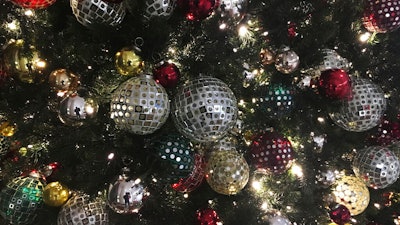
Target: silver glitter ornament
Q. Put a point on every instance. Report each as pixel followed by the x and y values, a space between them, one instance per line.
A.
pixel 80 209
pixel 377 166
pixel 89 12
pixel 125 195
pixel 204 109
pixel 364 110
pixel 159 8
pixel 140 105
pixel 4 145
pixel 287 61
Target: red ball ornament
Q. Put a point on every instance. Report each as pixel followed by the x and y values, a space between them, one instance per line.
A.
pixel 34 4
pixel 197 10
pixel 382 16
pixel 388 133
pixel 335 84
pixel 340 214
pixel 195 179
pixel 167 74
pixel 271 152
pixel 207 217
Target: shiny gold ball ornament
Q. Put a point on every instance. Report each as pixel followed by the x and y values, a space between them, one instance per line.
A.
pixel 7 128
pixel 140 105
pixel 55 194
pixel 23 62
pixel 128 62
pixel 227 172
pixel 267 56
pixel 63 81
pixel 351 192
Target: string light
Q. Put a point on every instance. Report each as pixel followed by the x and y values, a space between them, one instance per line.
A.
pixel 364 37
pixel 28 12
pixel 110 156
pixel 297 170
pixel 13 26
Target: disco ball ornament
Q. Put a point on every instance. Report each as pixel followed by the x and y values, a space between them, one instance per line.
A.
pixel 195 178
pixel 128 61
pixel 159 8
pixel 233 8
pixel 55 194
pixel 279 220
pixel 207 216
pixel 178 153
pixel 204 109
pixel 4 145
pixel 351 192
pixel 340 214
pixel 381 16
pixel 364 110
pixel 63 81
pixel 271 152
pixel 227 172
pixel 75 109
pixel 140 105
pixel 89 12
pixel 267 56
pixel 21 200
pixel 277 100
pixel 197 10
pixel 227 143
pixel 377 166
pixel 23 62
pixel 287 61
pixel 332 60
pixel 167 74
pixel 126 195
pixel 335 84
pixel 81 209
pixel 34 4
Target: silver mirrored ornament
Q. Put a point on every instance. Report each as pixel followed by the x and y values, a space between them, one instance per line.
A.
pixel 287 61
pixel 204 109
pixel 332 60
pixel 74 110
pixel 159 8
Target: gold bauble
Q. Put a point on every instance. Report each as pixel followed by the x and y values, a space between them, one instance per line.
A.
pixel 7 129
pixel 55 194
pixel 351 192
pixel 63 81
pixel 267 56
pixel 23 62
pixel 128 62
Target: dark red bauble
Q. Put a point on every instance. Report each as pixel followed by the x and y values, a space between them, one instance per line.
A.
pixel 340 214
pixel 195 179
pixel 207 217
pixel 34 4
pixel 382 16
pixel 335 84
pixel 271 152
pixel 388 133
pixel 167 74
pixel 197 10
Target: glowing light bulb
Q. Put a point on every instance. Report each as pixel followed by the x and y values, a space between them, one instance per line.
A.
pixel 256 185
pixel 222 26
pixel 364 37
pixel 110 156
pixel 243 31
pixel 297 170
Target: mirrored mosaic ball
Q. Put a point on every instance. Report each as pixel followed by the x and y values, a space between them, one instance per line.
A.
pixel 159 8
pixel 377 166
pixel 332 60
pixel 227 172
pixel 140 105
pixel 80 209
pixel 21 199
pixel 364 110
pixel 204 109
pixel 89 12
pixel 382 16
pixel 351 192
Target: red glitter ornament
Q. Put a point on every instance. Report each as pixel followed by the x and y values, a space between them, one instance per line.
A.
pixel 195 179
pixel 167 74
pixel 34 4
pixel 382 16
pixel 388 133
pixel 340 214
pixel 271 152
pixel 197 10
pixel 335 84
pixel 207 217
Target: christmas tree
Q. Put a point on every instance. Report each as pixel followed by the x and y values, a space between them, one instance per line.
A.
pixel 199 112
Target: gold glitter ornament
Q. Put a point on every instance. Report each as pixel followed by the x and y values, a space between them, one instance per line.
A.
pixel 55 194
pixel 267 56
pixel 351 192
pixel 128 62
pixel 63 81
pixel 227 172
pixel 23 62
pixel 7 129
